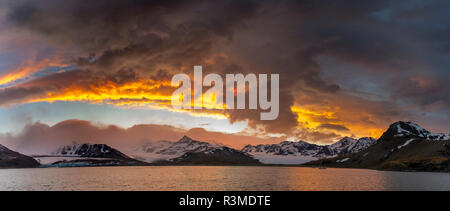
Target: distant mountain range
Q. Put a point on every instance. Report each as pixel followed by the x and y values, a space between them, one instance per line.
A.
pixel 404 146
pixel 186 151
pixel 288 152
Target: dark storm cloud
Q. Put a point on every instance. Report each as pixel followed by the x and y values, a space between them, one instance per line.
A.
pixel 401 40
pixel 334 127
pixel 424 91
pixel 145 30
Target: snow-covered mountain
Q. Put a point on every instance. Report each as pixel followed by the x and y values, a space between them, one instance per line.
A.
pixel 403 146
pixel 90 150
pixel 187 150
pixel 350 145
pixel 86 155
pixel 166 150
pixel 283 153
pixel 286 148
pixel 299 152
pixel 404 129
pixel 187 144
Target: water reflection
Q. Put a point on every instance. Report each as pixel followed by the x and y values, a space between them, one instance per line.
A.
pixel 217 178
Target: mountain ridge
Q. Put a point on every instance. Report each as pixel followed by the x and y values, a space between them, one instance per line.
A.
pixel 90 150
pixel 403 146
pixel 195 152
pixel 286 152
pixel 12 159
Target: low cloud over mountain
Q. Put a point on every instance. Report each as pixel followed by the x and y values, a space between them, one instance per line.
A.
pixel 41 138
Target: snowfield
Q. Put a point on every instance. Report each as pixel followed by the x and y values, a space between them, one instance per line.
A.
pixel 47 160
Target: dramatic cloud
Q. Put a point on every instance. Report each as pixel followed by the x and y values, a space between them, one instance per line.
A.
pixel 121 86
pixel 346 69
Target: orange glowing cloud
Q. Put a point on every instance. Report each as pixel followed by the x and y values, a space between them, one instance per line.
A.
pixel 327 121
pixel 137 93
pixel 109 91
pixel 29 67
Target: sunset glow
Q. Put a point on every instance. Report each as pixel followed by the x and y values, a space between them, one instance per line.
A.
pixel 334 80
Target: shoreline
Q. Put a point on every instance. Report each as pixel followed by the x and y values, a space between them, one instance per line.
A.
pixel 224 165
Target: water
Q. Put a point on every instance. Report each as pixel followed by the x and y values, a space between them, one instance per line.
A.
pixel 217 178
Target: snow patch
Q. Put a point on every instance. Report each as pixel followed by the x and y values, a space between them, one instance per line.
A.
pixel 419 132
pixel 342 160
pixel 405 144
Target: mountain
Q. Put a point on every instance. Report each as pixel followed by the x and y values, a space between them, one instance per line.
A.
pixel 155 146
pixel 288 152
pixel 86 155
pixel 185 145
pixel 11 159
pixel 91 150
pixel 404 146
pixel 166 150
pixel 188 151
pixel 216 156
pixel 409 129
pixel 350 145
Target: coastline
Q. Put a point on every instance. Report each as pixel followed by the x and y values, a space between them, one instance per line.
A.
pixel 225 165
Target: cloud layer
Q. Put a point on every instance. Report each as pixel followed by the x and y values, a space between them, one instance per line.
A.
pixel 345 69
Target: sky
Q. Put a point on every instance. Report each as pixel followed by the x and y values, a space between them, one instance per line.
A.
pixel 346 69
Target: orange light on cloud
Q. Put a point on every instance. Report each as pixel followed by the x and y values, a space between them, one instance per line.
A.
pixel 137 94
pixel 306 118
pixel 27 68
pixel 311 119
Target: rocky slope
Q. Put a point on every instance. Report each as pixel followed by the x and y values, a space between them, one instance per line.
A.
pixel 11 159
pixel 404 146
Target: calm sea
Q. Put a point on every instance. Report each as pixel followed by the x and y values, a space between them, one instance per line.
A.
pixel 217 178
